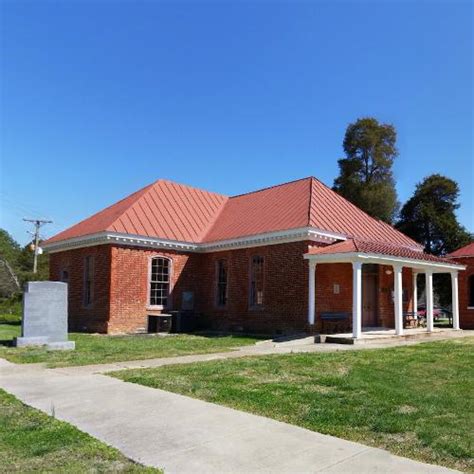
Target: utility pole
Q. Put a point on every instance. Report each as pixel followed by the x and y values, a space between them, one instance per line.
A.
pixel 38 223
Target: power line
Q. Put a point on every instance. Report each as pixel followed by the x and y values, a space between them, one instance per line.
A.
pixel 38 223
pixel 15 202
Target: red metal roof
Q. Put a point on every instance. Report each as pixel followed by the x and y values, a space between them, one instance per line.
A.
pixel 177 212
pixel 162 209
pixel 271 209
pixel 379 248
pixel 466 251
pixel 330 211
pixel 303 203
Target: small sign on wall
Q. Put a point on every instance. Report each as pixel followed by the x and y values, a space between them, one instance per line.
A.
pixel 187 303
pixel 336 288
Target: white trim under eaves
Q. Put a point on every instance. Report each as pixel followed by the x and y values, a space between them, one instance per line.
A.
pixel 380 259
pixel 102 238
pixel 269 238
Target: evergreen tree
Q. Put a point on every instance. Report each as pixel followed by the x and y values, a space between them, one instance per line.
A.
pixel 429 216
pixel 366 177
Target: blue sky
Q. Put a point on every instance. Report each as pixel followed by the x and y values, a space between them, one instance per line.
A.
pixel 100 98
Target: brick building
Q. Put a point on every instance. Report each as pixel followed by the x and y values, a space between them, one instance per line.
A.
pixel 465 256
pixel 270 261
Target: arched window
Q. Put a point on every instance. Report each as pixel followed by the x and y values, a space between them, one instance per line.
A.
pixel 160 277
pixel 470 291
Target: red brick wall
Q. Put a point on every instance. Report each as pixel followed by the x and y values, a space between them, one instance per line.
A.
pixel 95 317
pixel 285 290
pixel 466 315
pixel 326 301
pixel 129 288
pixel 386 316
pixel 121 288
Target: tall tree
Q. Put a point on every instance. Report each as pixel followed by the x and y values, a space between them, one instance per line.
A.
pixel 16 264
pixel 9 248
pixel 9 256
pixel 429 216
pixel 366 177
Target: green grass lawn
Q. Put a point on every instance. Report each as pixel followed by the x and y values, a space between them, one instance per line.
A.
pixel 415 401
pixel 101 349
pixel 8 332
pixel 31 441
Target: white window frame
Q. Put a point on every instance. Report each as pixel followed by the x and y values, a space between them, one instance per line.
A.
pixel 170 283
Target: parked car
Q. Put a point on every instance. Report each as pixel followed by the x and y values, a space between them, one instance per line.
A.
pixel 438 312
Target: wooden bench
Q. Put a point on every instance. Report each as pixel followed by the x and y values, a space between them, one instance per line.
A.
pixel 411 319
pixel 333 317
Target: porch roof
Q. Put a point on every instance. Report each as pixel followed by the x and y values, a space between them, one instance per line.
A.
pixel 352 250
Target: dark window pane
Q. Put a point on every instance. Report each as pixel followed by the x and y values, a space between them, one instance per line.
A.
pixel 256 281
pixel 88 286
pixel 221 282
pixel 471 290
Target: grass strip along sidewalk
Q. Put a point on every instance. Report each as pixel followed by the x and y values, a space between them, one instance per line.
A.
pixel 415 401
pixel 31 441
pixel 101 349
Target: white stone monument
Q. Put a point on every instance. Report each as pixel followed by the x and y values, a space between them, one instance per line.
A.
pixel 44 321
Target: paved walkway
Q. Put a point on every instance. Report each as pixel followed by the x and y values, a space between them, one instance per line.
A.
pixel 184 435
pixel 305 344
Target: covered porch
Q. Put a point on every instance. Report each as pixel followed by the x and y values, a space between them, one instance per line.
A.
pixel 399 264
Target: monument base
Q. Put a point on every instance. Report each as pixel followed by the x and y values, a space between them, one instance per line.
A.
pixel 44 341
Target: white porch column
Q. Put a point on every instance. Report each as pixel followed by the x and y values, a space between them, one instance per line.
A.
pixel 415 295
pixel 429 301
pixel 455 299
pixel 356 300
pixel 398 299
pixel 312 292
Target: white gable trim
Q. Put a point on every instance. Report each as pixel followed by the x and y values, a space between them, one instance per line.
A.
pixel 268 238
pixel 349 257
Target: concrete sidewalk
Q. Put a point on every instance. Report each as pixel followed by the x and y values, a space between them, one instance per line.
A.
pixel 268 347
pixel 184 435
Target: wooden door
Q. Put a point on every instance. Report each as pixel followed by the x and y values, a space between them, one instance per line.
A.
pixel 369 299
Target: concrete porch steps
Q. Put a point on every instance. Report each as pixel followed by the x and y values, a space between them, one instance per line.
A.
pixel 378 337
pixel 301 339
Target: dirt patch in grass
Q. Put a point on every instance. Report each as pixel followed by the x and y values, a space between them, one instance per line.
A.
pixel 406 409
